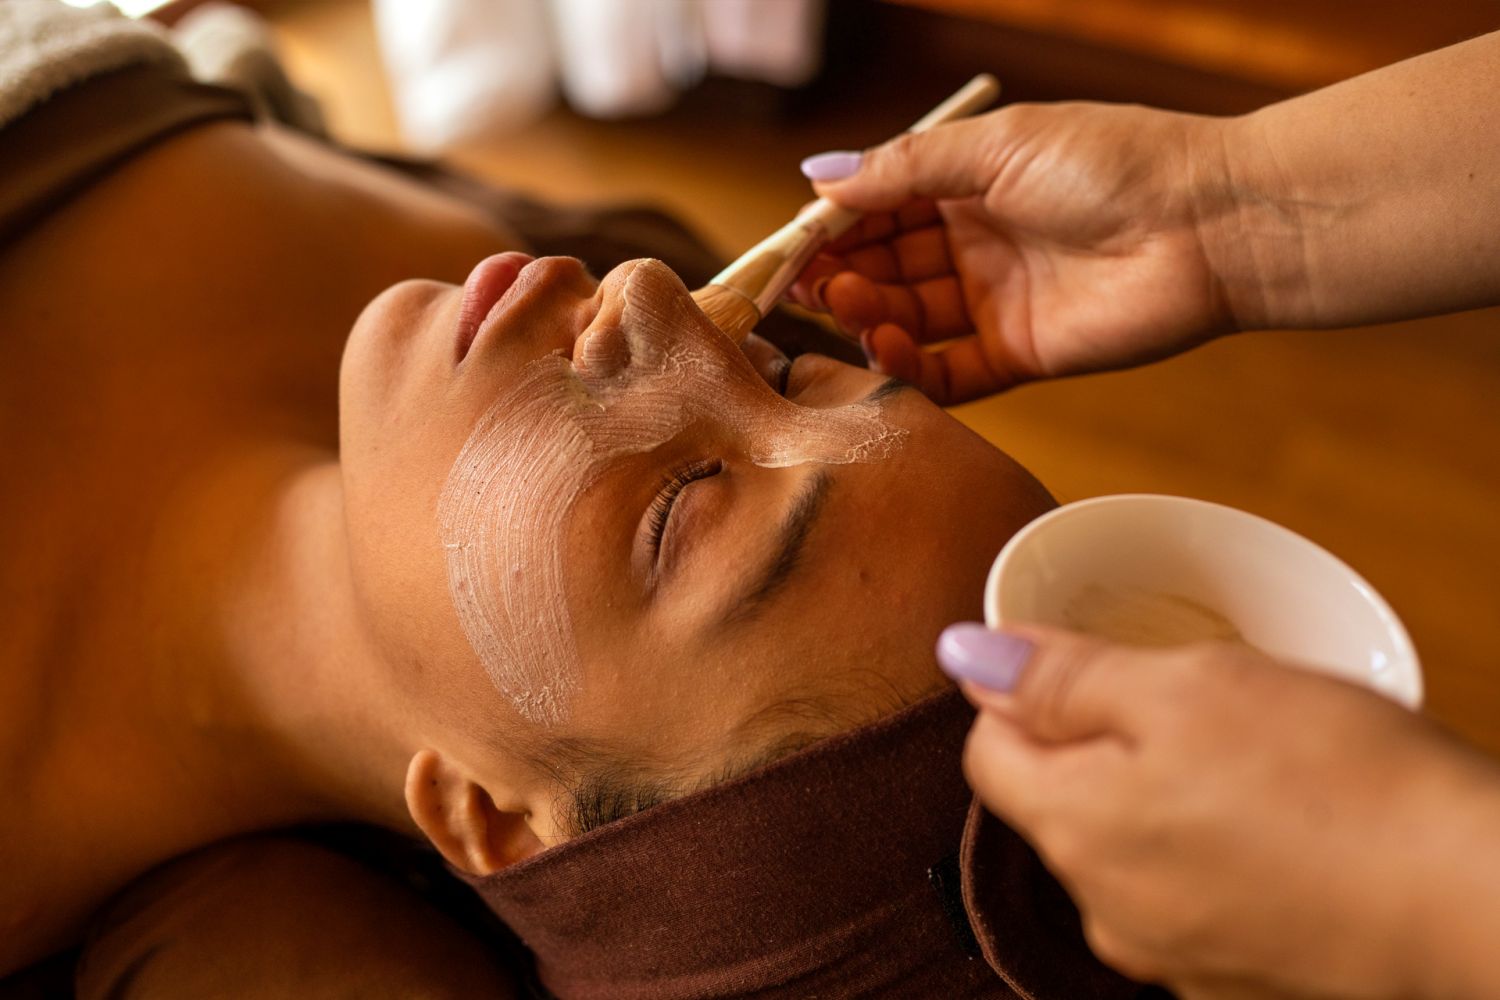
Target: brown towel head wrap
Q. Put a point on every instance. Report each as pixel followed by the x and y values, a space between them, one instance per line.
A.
pixel 833 873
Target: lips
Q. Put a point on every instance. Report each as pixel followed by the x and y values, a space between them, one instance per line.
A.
pixel 485 286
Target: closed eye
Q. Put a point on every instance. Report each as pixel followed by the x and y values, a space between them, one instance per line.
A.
pixel 676 480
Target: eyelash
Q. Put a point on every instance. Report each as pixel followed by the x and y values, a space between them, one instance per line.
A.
pixel 671 487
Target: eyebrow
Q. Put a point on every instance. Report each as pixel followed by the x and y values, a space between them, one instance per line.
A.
pixel 792 535
pixel 890 387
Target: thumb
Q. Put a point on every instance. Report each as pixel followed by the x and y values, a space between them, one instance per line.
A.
pixel 955 160
pixel 1063 686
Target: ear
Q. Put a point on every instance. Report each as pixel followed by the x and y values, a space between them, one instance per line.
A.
pixel 461 819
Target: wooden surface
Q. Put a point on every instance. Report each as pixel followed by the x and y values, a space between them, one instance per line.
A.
pixel 1297 44
pixel 1381 444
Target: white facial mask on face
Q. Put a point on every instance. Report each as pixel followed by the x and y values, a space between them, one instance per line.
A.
pixel 635 385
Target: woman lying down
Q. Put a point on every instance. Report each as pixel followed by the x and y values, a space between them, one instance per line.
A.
pixel 302 526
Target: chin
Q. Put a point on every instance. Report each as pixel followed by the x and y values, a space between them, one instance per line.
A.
pixel 389 349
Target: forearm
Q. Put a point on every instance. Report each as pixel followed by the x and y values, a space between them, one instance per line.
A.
pixel 1456 922
pixel 1371 200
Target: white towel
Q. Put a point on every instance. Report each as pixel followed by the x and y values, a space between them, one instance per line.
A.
pixel 464 69
pixel 46 46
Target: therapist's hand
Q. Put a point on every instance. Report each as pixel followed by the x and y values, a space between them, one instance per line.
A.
pixel 1232 826
pixel 1041 240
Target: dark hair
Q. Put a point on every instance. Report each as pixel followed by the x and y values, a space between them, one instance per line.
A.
pixel 601 782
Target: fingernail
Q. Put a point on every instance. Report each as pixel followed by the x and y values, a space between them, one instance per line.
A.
pixel 833 166
pixel 816 292
pixel 970 652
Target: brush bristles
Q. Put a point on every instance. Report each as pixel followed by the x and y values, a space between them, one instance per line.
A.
pixel 731 311
pixel 741 294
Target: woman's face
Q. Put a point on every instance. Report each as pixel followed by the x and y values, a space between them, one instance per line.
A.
pixel 577 510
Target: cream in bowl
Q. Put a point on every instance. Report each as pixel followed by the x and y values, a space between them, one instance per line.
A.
pixel 1164 571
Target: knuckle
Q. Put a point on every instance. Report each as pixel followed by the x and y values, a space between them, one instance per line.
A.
pixel 897 156
pixel 1010 126
pixel 1222 654
pixel 1002 787
pixel 1063 848
pixel 1189 672
pixel 975 759
pixel 1013 119
pixel 978 765
pixel 1188 928
pixel 1212 675
pixel 1068 833
pixel 1046 694
pixel 1115 951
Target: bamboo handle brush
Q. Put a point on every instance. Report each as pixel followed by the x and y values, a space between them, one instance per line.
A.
pixel 747 289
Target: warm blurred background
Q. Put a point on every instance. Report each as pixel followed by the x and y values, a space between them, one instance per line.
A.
pixel 1381 444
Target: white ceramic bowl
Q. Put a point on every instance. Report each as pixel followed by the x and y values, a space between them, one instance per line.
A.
pixel 1286 596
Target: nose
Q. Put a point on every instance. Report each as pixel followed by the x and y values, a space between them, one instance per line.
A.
pixel 644 312
pixel 602 347
pixel 602 351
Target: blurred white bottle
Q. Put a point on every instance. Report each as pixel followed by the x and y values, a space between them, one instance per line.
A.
pixel 775 41
pixel 461 69
pixel 623 58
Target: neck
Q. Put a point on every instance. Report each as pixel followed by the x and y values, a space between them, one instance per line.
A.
pixel 285 712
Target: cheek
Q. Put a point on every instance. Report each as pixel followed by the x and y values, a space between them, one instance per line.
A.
pixel 500 515
pixel 943 509
pixel 396 441
pixel 395 560
pixel 388 359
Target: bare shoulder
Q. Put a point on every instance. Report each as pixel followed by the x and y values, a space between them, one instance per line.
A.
pixel 279 917
pixel 205 286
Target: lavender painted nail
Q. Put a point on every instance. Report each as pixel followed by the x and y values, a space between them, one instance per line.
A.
pixel 970 652
pixel 833 166
pixel 871 362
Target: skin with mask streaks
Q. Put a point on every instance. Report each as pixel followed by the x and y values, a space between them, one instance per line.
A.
pixel 636 381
